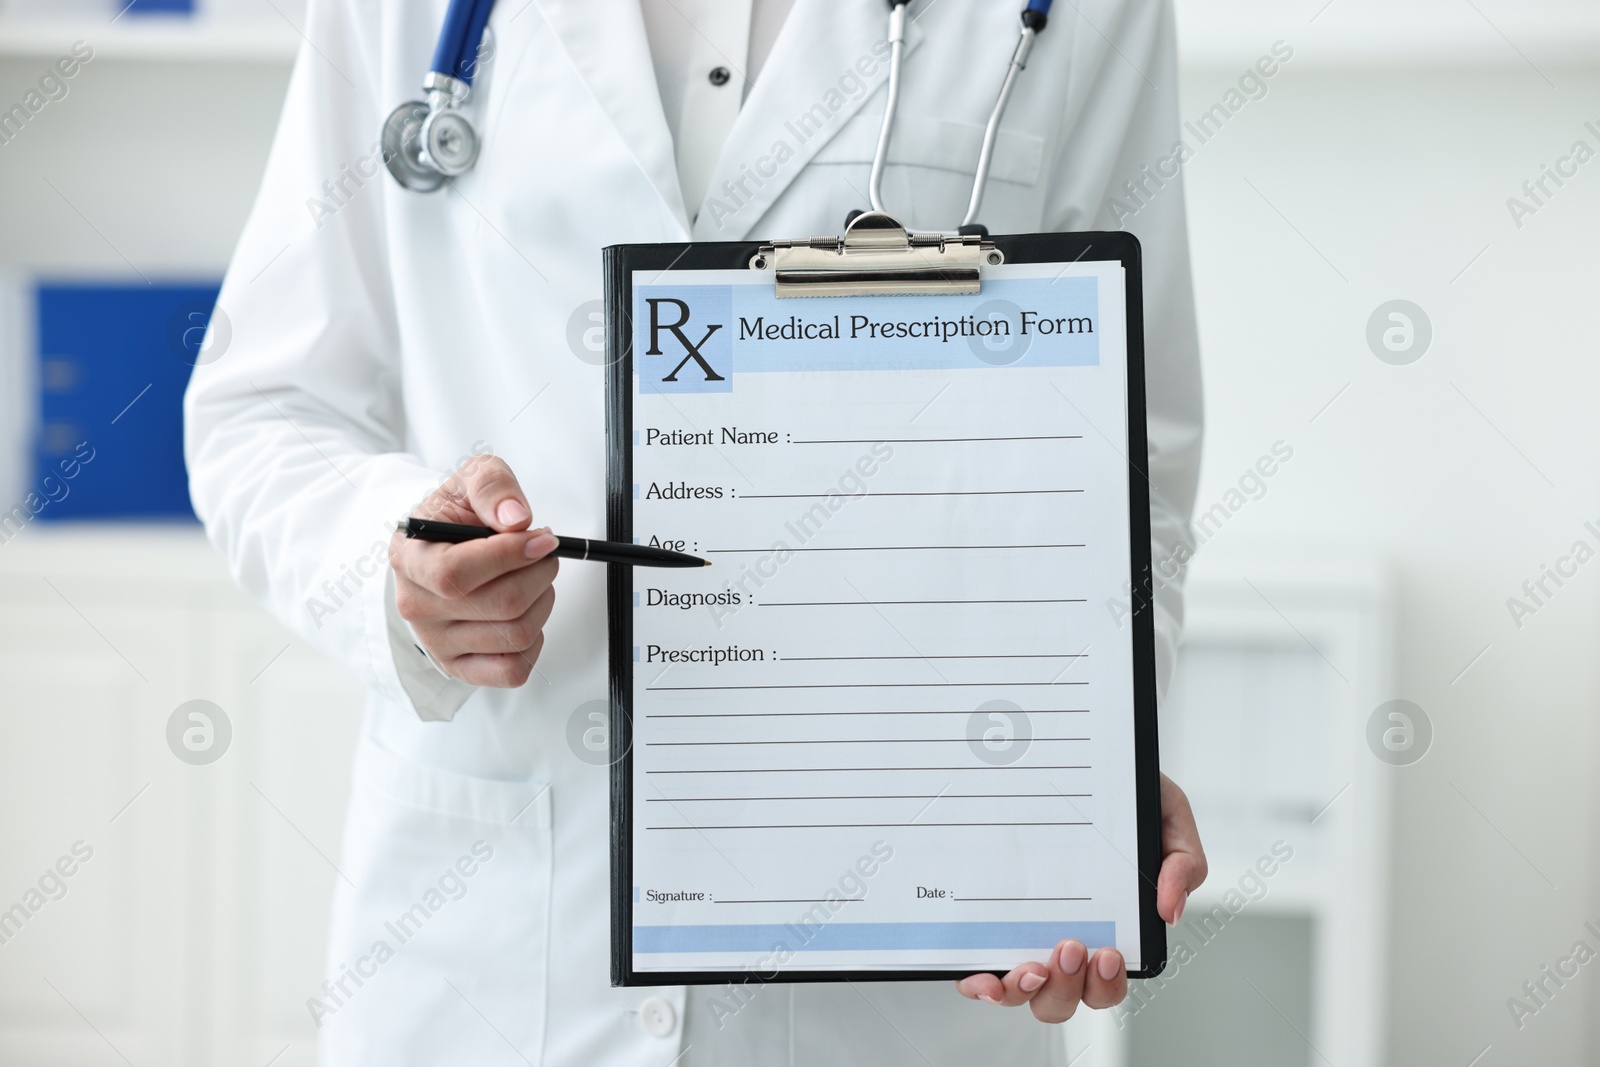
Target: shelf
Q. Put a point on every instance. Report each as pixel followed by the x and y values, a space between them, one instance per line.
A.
pixel 1343 33
pixel 1553 34
pixel 152 38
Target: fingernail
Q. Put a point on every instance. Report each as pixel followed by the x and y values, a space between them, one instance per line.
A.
pixel 1108 966
pixel 540 546
pixel 1183 902
pixel 987 999
pixel 1072 956
pixel 510 512
pixel 1030 981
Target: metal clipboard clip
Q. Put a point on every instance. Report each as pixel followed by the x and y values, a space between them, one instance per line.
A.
pixel 878 257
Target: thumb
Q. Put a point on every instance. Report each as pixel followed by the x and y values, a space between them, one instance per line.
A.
pixel 494 495
pixel 1183 866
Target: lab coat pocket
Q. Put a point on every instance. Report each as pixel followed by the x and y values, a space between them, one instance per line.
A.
pixel 441 919
pixel 932 162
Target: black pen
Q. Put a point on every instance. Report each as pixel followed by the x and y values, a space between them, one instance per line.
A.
pixel 454 533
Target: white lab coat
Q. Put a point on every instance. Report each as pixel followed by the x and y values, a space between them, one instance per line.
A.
pixel 379 336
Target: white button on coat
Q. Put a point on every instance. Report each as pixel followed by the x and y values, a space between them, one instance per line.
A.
pixel 379 336
pixel 657 1017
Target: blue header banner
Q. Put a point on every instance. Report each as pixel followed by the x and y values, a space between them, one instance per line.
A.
pixel 699 338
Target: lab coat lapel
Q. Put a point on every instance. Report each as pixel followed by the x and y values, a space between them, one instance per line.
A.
pixel 605 39
pixel 821 42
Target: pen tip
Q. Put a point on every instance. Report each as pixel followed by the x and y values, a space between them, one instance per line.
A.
pixel 705 563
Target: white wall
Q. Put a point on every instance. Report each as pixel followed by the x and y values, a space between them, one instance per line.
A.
pixel 1464 471
pixel 154 164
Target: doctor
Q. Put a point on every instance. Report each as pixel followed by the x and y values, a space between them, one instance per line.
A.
pixel 396 352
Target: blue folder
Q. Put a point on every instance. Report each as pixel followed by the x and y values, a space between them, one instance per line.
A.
pixel 114 360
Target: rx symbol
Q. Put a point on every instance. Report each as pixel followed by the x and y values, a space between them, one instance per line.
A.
pixel 691 348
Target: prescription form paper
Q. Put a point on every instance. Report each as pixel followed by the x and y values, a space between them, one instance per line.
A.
pixel 892 726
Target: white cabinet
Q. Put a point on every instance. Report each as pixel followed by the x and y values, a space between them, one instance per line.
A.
pixel 194 933
pixel 1266 729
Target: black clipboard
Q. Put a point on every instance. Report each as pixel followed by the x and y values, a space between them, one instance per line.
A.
pixel 888 260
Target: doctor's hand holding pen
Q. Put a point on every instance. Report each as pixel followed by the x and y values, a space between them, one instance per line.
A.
pixel 1055 988
pixel 479 607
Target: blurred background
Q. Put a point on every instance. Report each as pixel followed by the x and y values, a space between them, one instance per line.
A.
pixel 1389 690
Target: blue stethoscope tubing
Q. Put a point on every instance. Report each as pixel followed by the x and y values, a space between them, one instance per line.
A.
pixel 460 37
pixel 429 141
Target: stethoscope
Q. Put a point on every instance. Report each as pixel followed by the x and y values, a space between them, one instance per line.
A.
pixel 428 141
pixel 1034 17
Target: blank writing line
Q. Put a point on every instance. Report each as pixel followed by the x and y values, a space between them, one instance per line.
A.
pixel 948 492
pixel 873 796
pixel 893 548
pixel 849 825
pixel 872 603
pixel 842 770
pixel 849 685
pixel 1044 711
pixel 975 655
pixel 792 900
pixel 848 741
pixel 937 440
pixel 1020 898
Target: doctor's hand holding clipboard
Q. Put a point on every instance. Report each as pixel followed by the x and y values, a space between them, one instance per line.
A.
pixel 1072 976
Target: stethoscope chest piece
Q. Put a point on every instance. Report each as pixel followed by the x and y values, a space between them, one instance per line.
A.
pixel 449 143
pixel 403 148
pixel 427 142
